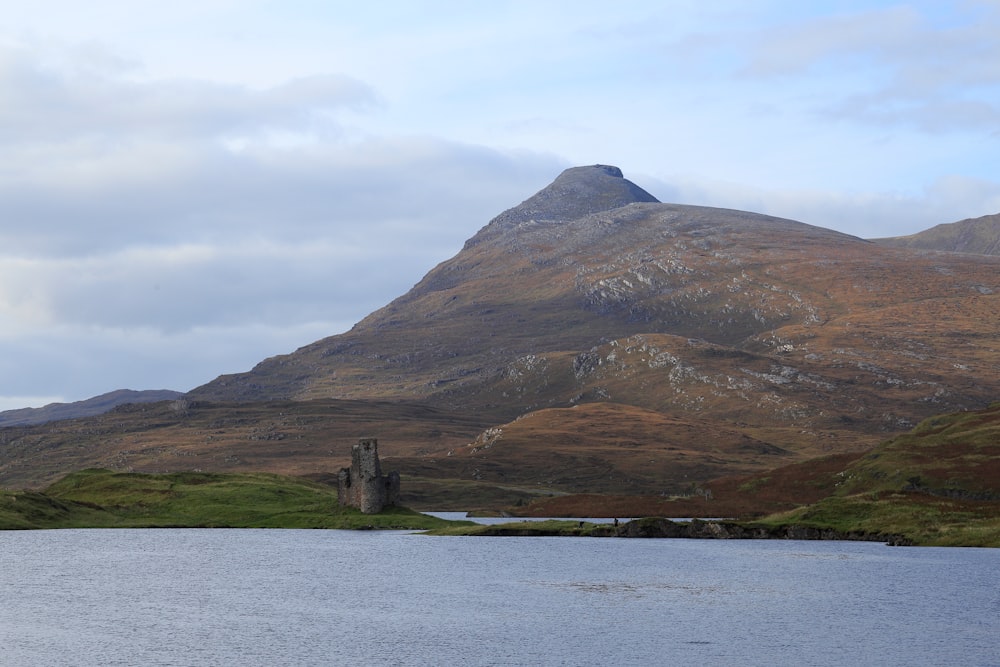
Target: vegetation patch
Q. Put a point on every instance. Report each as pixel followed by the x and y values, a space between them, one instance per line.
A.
pixel 938 485
pixel 98 498
pixel 922 520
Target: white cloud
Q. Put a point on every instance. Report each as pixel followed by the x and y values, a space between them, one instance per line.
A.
pixel 862 214
pixel 107 113
pixel 87 360
pixel 803 46
pixel 134 241
pixel 892 66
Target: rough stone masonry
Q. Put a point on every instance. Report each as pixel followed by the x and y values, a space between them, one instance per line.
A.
pixel 363 485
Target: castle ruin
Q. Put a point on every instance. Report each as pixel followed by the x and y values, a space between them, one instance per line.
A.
pixel 363 485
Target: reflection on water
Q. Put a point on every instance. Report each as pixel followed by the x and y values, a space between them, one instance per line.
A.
pixel 290 597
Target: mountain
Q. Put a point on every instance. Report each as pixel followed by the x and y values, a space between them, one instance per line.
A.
pixel 800 334
pixel 974 235
pixel 85 408
pixel 590 339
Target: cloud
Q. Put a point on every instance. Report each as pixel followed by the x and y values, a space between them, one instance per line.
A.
pixel 65 103
pixel 862 214
pixel 891 66
pixel 275 239
pixel 87 361
pixel 805 45
pixel 175 287
pixel 146 222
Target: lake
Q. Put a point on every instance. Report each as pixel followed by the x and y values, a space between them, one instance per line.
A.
pixel 326 597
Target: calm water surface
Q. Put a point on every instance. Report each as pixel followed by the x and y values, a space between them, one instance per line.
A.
pixel 289 597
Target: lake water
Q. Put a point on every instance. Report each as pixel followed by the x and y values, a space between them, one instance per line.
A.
pixel 291 597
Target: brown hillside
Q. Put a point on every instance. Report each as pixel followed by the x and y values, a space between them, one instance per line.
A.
pixel 711 313
pixel 974 235
pixel 287 437
pixel 741 496
pixel 608 448
pixel 949 461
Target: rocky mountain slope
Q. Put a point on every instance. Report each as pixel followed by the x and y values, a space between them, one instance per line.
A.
pixel 707 313
pixel 974 235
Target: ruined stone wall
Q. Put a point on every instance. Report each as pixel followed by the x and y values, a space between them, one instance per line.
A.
pixel 363 485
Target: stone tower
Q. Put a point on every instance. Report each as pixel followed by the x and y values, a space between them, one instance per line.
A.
pixel 363 485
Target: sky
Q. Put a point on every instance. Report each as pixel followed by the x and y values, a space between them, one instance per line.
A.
pixel 190 187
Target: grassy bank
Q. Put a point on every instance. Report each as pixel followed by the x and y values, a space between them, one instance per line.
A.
pixel 98 498
pixel 849 519
pixel 924 520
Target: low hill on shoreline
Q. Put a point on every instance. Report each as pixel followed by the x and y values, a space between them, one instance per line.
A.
pixel 938 484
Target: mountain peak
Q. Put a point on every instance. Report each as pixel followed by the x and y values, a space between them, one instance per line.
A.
pixel 606 168
pixel 577 192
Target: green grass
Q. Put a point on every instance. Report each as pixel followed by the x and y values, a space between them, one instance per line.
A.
pixel 917 520
pixel 28 509
pixel 97 498
pixel 937 485
pixel 923 520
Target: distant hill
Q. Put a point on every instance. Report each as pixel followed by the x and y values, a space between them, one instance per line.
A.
pixel 311 438
pixel 85 408
pixel 975 235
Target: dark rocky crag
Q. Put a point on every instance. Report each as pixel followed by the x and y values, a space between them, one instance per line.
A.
pixel 577 192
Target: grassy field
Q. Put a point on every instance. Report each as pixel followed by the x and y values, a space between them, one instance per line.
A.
pixel 97 498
